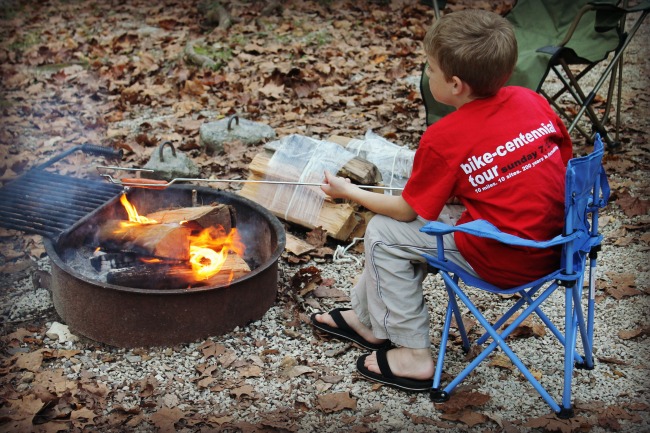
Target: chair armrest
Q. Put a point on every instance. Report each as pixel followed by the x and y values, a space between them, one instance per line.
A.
pixel 484 229
pixel 607 17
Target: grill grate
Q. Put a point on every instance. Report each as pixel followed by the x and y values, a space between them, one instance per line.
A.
pixel 47 203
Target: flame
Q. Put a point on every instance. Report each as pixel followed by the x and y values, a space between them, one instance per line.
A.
pixel 133 213
pixel 210 248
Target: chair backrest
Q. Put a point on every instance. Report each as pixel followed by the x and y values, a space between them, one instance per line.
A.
pixel 586 191
pixel 541 27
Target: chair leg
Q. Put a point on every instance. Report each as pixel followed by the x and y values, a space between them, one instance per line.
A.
pixel 588 335
pixel 525 298
pixel 499 340
pixel 570 318
pixel 459 318
pixel 436 394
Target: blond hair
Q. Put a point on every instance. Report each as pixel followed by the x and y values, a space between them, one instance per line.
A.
pixel 477 46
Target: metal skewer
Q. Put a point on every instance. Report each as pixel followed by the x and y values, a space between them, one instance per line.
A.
pixel 158 184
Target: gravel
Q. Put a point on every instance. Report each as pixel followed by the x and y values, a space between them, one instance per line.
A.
pixel 277 366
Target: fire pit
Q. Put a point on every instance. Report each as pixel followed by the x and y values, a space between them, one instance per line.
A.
pixel 133 316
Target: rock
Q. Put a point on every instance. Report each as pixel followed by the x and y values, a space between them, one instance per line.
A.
pixel 61 332
pixel 167 164
pixel 213 135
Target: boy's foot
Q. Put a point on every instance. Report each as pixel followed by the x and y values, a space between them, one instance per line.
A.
pixel 343 323
pixel 412 369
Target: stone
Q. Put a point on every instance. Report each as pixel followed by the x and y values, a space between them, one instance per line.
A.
pixel 168 163
pixel 61 332
pixel 213 135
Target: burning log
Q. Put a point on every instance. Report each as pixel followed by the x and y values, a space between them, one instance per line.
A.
pixel 199 217
pixel 103 261
pixel 158 240
pixel 174 276
pixel 168 238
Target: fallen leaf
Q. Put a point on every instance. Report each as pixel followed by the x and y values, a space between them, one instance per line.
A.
pixel 462 400
pixel 245 390
pixel 629 334
pixel 29 361
pixel 632 206
pixel 18 335
pixel 336 402
pixel 250 371
pixel 466 416
pixel 551 423
pixel 298 370
pixel 502 361
pixel 165 418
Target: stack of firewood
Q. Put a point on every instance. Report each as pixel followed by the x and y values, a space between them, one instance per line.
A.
pixel 340 220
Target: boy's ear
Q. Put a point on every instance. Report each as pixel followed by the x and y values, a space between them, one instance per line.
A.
pixel 459 87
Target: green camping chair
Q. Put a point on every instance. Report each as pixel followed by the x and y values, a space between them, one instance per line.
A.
pixel 568 38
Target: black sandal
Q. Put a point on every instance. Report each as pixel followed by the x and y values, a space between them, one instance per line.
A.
pixel 344 332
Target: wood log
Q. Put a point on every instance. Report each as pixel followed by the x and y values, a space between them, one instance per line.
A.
pixel 357 169
pixel 401 164
pixel 177 276
pixel 157 240
pixel 199 217
pixel 339 220
pixel 105 261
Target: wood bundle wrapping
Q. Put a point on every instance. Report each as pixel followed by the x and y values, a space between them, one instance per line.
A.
pixel 339 220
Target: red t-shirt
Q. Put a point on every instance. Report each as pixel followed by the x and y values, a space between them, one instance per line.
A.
pixel 504 158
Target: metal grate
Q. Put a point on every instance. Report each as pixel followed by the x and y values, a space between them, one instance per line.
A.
pixel 47 203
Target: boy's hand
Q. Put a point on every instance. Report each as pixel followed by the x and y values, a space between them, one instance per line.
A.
pixel 393 206
pixel 337 187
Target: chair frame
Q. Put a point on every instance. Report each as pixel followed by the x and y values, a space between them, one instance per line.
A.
pixel 613 71
pixel 570 276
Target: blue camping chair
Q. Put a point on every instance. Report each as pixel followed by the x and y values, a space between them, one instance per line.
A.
pixel 587 191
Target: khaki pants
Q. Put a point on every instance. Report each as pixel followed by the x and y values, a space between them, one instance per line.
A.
pixel 388 296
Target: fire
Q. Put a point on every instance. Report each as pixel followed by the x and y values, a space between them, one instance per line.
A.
pixel 210 248
pixel 133 213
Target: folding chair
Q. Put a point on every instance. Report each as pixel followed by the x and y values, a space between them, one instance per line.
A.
pixel 587 191
pixel 568 38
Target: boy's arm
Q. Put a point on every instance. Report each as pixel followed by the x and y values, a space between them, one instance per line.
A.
pixel 393 206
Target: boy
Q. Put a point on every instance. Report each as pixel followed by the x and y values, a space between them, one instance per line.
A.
pixel 502 154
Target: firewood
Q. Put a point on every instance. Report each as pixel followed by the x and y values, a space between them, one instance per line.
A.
pixel 158 240
pixel 357 169
pixel 339 220
pixel 199 217
pixel 176 276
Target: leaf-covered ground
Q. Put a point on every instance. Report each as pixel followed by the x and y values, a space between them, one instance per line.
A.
pixel 117 74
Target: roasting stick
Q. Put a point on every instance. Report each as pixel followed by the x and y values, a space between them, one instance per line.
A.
pixel 162 184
